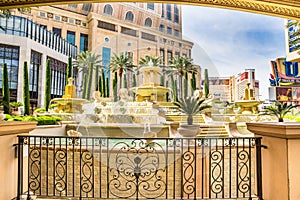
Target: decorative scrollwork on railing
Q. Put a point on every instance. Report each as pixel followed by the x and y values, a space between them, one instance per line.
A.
pixel 60 170
pixel 188 161
pixel 136 170
pixel 243 171
pixel 87 173
pixel 217 179
pixel 34 169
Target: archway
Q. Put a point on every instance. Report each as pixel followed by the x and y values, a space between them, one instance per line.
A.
pixel 280 8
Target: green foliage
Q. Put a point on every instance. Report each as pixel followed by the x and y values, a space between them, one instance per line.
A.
pixel 103 84
pixel 84 86
pixel 107 87
pixel 89 83
pixel 278 110
pixel 41 120
pixel 148 59
pixel 48 85
pixel 16 104
pixel 69 69
pixel 5 90
pixel 121 63
pixel 185 84
pixel 133 81
pixel 191 106
pixel 26 95
pixel 193 82
pixel 125 81
pixel 96 85
pixel 115 89
pixel 206 83
pixel 40 110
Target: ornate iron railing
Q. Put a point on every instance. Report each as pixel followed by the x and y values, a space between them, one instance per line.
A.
pixel 160 168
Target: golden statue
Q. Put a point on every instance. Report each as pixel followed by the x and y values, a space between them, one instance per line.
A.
pixel 70 89
pixel 248 93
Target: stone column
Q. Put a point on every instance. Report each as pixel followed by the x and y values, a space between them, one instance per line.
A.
pixel 280 161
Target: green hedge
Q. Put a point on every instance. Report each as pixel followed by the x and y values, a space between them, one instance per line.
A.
pixel 41 120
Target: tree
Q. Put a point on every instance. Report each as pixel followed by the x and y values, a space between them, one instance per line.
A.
pixel 86 62
pixel 278 110
pixel 150 59
pixel 181 65
pixel 121 63
pixel 5 90
pixel 206 83
pixel 48 85
pixel 26 95
pixel 69 69
pixel 294 35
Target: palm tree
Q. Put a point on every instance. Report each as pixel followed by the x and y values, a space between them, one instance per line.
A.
pixel 121 63
pixel 191 106
pixel 181 65
pixel 294 35
pixel 86 62
pixel 279 110
pixel 145 61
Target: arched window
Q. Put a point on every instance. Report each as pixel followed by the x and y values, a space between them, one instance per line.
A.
pixel 148 22
pixel 129 16
pixel 108 9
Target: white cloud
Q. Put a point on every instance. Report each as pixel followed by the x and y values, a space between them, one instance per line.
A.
pixel 227 42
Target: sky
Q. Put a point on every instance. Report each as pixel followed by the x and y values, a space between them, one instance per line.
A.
pixel 227 42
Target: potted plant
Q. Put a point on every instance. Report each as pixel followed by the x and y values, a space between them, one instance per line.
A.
pixel 278 110
pixel 15 108
pixel 190 106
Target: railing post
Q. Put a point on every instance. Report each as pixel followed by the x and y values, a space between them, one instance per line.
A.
pixel 20 167
pixel 259 169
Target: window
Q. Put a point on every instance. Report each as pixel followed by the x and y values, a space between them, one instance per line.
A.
pixel 176 33
pixel 71 37
pixel 56 31
pixel 169 30
pixel 150 6
pixel 35 63
pixel 42 14
pixel 170 55
pixel 176 14
pixel 128 31
pixel 162 28
pixel 83 42
pixel 177 54
pixel 87 7
pixel 57 18
pixel 73 6
pixel 106 25
pixel 129 16
pixel 71 21
pixel 10 56
pixel 148 22
pixel 162 10
pixel 58 77
pixel 169 16
pixel 162 55
pixel 148 36
pixel 108 9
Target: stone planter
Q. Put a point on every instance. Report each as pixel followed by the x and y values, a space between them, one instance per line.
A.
pixel 189 130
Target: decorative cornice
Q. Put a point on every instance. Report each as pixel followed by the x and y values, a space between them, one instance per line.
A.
pixel 280 8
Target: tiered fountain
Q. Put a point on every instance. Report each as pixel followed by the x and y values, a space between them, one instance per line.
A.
pixel 150 90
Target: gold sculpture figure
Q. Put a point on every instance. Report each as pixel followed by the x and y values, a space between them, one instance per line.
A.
pixel 70 89
pixel 248 93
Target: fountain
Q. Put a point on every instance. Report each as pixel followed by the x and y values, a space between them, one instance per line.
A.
pixel 248 105
pixel 150 90
pixel 69 103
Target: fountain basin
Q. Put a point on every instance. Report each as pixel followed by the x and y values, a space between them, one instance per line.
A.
pixel 121 130
pixel 248 106
pixel 68 105
pixel 150 93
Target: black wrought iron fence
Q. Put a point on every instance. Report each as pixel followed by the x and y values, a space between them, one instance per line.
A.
pixel 159 168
